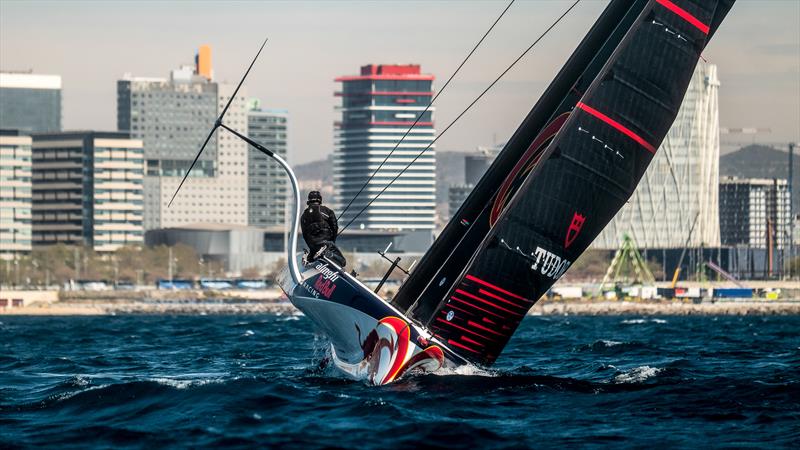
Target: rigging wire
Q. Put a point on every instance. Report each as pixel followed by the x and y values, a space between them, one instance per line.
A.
pixel 350 222
pixel 366 183
pixel 218 123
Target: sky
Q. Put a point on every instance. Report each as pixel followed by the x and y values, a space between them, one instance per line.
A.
pixel 93 44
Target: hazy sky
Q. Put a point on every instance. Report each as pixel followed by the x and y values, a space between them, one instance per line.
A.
pixel 92 44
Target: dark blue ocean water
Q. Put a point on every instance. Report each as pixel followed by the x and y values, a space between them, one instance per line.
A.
pixel 189 381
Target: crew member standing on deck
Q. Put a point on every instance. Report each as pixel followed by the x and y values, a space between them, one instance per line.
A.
pixel 320 227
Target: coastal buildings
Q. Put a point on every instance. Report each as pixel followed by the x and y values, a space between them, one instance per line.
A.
pixel 87 189
pixel 15 194
pixel 172 116
pixel 754 212
pixel 475 165
pixel 267 189
pixel 30 102
pixel 378 107
pixel 680 186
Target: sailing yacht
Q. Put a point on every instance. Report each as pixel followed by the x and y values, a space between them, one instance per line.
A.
pixel 569 167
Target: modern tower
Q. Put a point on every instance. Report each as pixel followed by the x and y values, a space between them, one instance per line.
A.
pixel 378 107
pixel 267 184
pixel 173 116
pixel 87 189
pixel 754 212
pixel 681 184
pixel 15 194
pixel 30 103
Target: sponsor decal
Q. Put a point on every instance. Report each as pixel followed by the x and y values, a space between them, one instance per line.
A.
pixel 549 264
pixel 325 282
pixel 324 286
pixel 450 315
pixel 574 229
pixel 327 272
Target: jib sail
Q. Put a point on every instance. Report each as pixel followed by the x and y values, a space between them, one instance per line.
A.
pixel 567 170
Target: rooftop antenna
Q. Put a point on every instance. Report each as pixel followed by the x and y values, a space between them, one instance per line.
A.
pixel 218 122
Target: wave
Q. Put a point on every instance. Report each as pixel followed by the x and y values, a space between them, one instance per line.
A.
pixel 637 375
pixel 641 321
pixel 608 346
pixel 178 383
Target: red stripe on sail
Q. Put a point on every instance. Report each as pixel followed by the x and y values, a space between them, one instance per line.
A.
pixel 472 342
pixel 476 307
pixel 496 288
pixel 439 319
pixel 450 305
pixel 475 297
pixel 684 15
pixel 497 297
pixel 481 327
pixel 618 126
pixel 452 342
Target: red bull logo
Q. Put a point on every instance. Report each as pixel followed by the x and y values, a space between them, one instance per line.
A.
pixel 324 286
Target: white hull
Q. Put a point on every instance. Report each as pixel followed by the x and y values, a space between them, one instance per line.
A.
pixel 367 349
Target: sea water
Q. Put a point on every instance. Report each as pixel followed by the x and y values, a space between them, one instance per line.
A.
pixel 245 381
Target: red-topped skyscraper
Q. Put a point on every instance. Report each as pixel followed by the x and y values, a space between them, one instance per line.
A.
pixel 378 108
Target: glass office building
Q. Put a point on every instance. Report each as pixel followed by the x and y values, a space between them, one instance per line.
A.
pixel 30 103
pixel 172 116
pixel 267 183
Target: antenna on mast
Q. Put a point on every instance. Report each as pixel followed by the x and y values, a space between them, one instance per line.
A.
pixel 217 123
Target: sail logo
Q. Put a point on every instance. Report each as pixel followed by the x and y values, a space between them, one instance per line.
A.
pixel 574 229
pixel 549 264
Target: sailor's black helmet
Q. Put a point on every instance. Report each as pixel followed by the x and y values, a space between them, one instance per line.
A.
pixel 314 197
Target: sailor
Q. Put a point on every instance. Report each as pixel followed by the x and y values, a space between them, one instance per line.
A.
pixel 319 226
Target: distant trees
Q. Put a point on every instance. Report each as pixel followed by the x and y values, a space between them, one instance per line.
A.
pixel 58 264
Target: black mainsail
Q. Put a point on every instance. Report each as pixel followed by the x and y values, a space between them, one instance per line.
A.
pixel 570 166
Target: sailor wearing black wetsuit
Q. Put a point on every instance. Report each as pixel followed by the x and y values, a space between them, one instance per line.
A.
pixel 319 226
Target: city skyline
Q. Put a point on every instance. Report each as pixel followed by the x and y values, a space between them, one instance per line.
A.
pixel 311 43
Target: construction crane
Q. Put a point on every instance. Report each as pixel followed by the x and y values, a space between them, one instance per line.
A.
pixel 683 253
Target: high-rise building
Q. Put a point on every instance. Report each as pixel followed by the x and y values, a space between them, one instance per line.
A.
pixel 173 116
pixel 30 102
pixel 15 194
pixel 680 186
pixel 754 212
pixel 267 183
pixel 87 189
pixel 378 108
